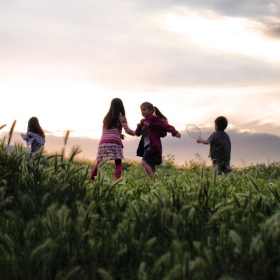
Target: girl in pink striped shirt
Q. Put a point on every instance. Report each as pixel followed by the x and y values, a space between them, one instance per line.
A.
pixel 110 146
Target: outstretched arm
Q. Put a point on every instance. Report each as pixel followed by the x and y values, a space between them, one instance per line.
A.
pixel 199 140
pixel 25 136
pixel 125 126
pixel 167 127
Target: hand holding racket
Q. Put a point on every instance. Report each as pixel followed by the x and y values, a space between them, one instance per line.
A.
pixel 195 133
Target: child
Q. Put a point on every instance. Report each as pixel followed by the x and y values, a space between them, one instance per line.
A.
pixel 35 136
pixel 151 128
pixel 220 146
pixel 110 145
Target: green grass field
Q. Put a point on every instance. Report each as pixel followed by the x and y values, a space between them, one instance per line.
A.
pixel 185 224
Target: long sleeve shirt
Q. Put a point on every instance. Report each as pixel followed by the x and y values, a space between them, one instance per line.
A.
pixel 30 137
pixel 114 134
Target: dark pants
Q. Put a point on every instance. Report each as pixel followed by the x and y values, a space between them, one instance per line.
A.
pixel 222 166
pixel 34 148
pixel 151 159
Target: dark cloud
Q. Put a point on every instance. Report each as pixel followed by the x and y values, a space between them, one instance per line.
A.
pixel 247 148
pixel 235 8
pixel 264 12
pixel 267 127
pixel 274 32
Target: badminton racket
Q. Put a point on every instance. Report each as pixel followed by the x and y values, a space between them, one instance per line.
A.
pixel 193 131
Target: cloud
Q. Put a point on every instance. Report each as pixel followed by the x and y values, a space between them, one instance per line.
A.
pixel 74 58
pixel 234 8
pixel 275 32
pixel 122 47
pixel 247 148
pixel 265 12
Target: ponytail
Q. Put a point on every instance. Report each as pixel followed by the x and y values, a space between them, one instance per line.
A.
pixel 158 113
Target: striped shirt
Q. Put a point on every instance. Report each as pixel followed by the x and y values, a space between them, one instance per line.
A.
pixel 114 135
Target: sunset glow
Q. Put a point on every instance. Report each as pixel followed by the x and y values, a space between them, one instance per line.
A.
pixel 194 60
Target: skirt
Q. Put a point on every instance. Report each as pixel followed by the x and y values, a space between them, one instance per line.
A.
pixel 110 151
pixel 147 156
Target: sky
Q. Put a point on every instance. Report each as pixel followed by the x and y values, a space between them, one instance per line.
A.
pixel 64 61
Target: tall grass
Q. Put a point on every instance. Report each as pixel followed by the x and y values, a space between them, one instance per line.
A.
pixel 185 224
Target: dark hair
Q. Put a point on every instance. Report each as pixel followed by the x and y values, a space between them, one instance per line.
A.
pixel 112 117
pixel 156 111
pixel 221 122
pixel 34 126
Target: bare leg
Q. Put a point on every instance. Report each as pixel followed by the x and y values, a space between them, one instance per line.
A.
pixel 148 168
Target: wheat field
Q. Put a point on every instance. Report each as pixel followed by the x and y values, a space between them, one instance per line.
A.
pixel 185 224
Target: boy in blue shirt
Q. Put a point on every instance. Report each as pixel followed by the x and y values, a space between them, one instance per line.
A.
pixel 220 146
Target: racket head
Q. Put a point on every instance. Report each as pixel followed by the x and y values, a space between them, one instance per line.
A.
pixel 193 131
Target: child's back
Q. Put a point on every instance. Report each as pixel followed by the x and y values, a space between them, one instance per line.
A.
pixel 220 146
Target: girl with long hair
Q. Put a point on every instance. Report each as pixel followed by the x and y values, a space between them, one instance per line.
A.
pixel 35 136
pixel 111 146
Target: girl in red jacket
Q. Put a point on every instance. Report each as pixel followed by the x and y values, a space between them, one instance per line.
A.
pixel 152 128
